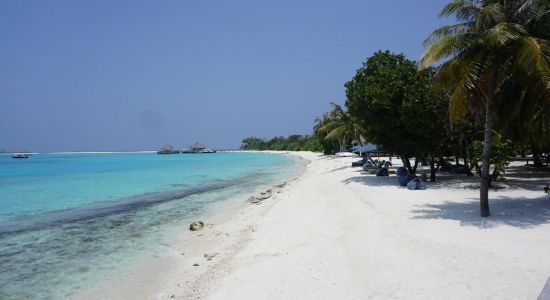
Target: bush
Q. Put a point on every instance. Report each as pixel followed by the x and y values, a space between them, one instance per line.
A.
pixel 501 155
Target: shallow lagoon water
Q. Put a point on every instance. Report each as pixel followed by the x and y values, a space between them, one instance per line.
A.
pixel 69 221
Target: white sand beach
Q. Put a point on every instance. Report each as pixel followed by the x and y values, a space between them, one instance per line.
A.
pixel 336 233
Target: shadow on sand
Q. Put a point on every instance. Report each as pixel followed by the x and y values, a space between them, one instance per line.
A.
pixel 518 212
pixel 444 181
pixel 528 178
pixel 516 177
pixel 339 169
pixel 372 180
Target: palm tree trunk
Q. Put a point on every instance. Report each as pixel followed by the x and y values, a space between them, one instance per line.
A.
pixel 432 169
pixel 485 176
pixel 407 164
pixel 537 161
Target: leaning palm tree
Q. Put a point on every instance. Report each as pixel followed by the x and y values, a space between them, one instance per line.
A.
pixel 340 127
pixel 494 41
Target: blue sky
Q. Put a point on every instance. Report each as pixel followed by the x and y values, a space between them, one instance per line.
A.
pixel 133 75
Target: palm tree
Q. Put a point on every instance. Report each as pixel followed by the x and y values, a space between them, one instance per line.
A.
pixel 339 126
pixel 493 41
pixel 320 122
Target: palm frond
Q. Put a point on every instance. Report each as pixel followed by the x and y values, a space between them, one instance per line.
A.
pixel 336 133
pixel 465 10
pixel 463 75
pixel 540 24
pixel 533 56
pixel 526 6
pixel 446 47
pixel 448 30
pixel 489 15
pixel 503 33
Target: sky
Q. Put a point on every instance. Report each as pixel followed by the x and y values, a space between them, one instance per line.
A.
pixel 134 75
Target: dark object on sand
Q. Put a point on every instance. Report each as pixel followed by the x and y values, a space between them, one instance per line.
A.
pixel 368 165
pixel 403 180
pixel 383 172
pixel 361 162
pixel 424 177
pixel 196 226
pixel 545 293
pixel 404 176
pixel 454 169
pixel 383 168
pixel 416 184
pixel 401 171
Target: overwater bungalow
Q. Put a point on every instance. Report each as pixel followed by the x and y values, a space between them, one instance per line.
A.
pixel 167 149
pixel 198 148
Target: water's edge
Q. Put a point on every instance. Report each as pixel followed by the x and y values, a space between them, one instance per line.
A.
pixel 158 272
pixel 61 253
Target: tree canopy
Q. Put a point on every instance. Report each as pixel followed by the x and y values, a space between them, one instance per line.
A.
pixel 397 106
pixel 290 143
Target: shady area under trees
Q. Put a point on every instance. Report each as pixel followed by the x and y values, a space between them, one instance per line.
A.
pixel 480 93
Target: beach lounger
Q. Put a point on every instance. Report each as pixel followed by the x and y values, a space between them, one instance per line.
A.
pixel 361 162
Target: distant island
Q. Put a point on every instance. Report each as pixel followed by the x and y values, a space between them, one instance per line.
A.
pixel 294 142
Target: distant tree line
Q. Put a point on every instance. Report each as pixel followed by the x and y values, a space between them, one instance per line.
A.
pixel 291 143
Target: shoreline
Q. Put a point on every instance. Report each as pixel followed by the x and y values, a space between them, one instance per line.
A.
pixel 337 233
pixel 152 277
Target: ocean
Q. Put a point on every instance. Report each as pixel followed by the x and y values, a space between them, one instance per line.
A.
pixel 68 221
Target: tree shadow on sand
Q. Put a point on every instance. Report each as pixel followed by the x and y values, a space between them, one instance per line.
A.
pixel 516 177
pixel 339 169
pixel 371 180
pixel 528 178
pixel 445 181
pixel 518 212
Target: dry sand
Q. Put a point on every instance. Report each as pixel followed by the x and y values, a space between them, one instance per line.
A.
pixel 336 233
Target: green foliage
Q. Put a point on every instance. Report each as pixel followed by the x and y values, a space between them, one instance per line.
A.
pixel 547 189
pixel 253 143
pixel 397 105
pixel 336 129
pixel 494 42
pixel 502 152
pixel 375 96
pixel 290 143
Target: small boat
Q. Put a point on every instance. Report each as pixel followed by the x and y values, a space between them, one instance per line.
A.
pixel 208 151
pixel 20 155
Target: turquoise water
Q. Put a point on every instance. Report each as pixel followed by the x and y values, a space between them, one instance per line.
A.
pixel 68 219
